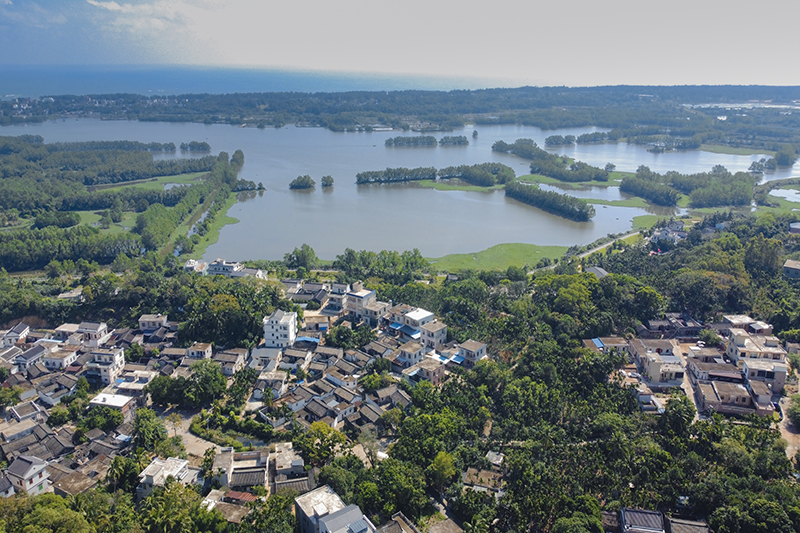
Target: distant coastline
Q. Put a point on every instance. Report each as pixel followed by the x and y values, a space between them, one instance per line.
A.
pixel 44 80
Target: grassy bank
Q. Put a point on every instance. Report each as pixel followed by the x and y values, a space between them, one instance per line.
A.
pixel 645 221
pixel 499 257
pixel 155 184
pixel 720 149
pixel 455 185
pixel 222 219
pixel 613 181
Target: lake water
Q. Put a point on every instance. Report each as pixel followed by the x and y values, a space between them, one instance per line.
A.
pixel 393 217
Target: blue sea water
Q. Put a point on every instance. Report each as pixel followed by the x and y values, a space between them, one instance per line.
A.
pixel 38 80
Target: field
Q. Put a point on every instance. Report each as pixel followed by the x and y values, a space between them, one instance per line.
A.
pixel 719 149
pixel 455 185
pixel 156 184
pixel 499 257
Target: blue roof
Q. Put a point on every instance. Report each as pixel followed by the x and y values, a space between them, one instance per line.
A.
pixel 458 359
pixel 307 339
pixel 411 332
pixel 597 342
pixel 396 325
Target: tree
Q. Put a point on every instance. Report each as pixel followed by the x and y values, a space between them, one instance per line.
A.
pixel 174 420
pixel 793 412
pixel 327 181
pixel 304 257
pixel 303 182
pixel 148 428
pixel 441 471
pixel 274 515
pixel 610 167
pixel 762 257
pixel 678 416
pixel 9 396
pixel 123 474
pixel 206 382
pixel 207 466
pixel 320 443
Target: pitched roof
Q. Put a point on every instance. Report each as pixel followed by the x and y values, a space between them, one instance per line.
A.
pixel 23 464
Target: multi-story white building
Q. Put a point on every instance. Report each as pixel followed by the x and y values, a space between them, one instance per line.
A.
pixel 743 345
pixel 434 334
pixel 773 373
pixel 280 329
pixel 29 474
pixel 107 364
pixel 150 323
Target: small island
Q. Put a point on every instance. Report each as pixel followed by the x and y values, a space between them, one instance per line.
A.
pixel 453 140
pixel 327 181
pixel 303 182
pixel 417 140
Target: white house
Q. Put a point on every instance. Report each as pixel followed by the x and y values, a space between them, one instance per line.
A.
pixel 16 334
pixel 434 334
pixel 29 474
pixel 472 352
pixel 95 334
pixel 200 350
pixel 107 364
pixel 280 329
pixel 157 472
pixel 150 323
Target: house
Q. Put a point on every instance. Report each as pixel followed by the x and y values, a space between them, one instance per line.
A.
pixel 27 410
pixel 16 334
pixel 429 369
pixel 272 382
pixel 52 390
pixel 713 371
pixel 124 404
pixel 679 525
pixel 641 521
pixel 95 334
pixel 606 344
pixel 742 345
pixel 732 399
pixel 220 267
pixel 472 352
pixel 193 265
pixel 337 299
pixel 29 474
pixel 64 331
pixel 363 304
pixel 66 482
pixel 659 362
pixel 151 323
pixel 199 350
pixel 60 357
pixel 6 487
pixel 159 470
pixel 234 513
pixel 293 360
pixel 398 524
pixel 791 269
pixel 599 273
pixel 106 364
pixel 231 361
pixel 280 329
pixel 773 373
pixel 323 511
pixel 288 462
pixel 434 334
pixel 30 357
pixel 340 379
pixel 327 354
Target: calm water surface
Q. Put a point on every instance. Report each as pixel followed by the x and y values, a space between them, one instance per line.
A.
pixel 395 217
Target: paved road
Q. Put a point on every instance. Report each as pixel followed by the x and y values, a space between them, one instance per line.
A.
pixel 606 245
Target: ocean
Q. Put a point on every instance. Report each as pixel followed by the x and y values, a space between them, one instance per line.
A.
pixel 37 81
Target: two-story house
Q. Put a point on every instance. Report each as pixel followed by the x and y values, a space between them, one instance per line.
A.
pixel 95 334
pixel 29 474
pixel 152 323
pixel 472 352
pixel 434 334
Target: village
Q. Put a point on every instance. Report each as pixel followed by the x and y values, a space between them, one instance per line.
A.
pixel 303 381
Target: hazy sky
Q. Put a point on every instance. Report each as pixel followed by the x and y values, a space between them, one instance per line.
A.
pixel 581 42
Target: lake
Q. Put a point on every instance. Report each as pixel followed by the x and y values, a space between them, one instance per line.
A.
pixel 392 217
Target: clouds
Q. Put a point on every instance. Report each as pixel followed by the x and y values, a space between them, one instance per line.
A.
pixel 590 42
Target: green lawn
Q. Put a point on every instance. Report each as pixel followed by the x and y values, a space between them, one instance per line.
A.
pixel 630 202
pixel 90 218
pixel 498 257
pixel 455 186
pixel 645 221
pixel 156 184
pixel 719 149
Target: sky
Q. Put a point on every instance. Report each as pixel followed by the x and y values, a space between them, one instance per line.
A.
pixel 576 43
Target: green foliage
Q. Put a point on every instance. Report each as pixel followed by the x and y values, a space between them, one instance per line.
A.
pixel 149 430
pixel 273 515
pixel 320 443
pixel 303 182
pixel 562 205
pixel 303 257
pixel 349 339
pixel 327 181
pixel 551 165
pixel 396 175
